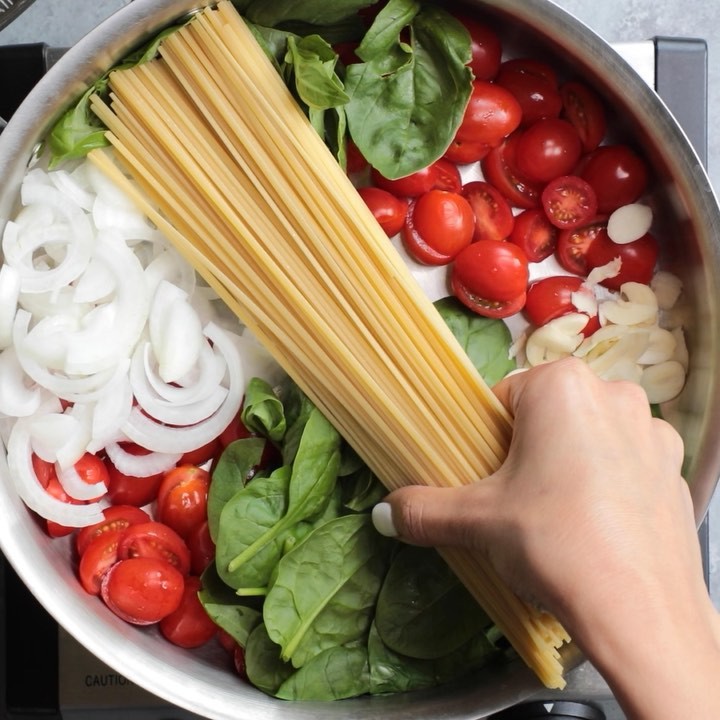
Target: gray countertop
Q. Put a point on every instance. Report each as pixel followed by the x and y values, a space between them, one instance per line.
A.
pixel 62 22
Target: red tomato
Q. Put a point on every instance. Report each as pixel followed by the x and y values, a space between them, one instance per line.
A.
pixel 569 202
pixel 573 245
pixel 389 211
pixel 142 590
pixel 55 489
pixel 492 113
pixel 92 469
pixel 182 498
pixel 485 47
pixel 99 555
pixel 548 149
pixel 490 277
pixel 202 548
pixel 356 162
pixel 493 215
pixel 155 540
pixel 226 640
pixel 551 297
pixel 202 454
pixel 618 175
pixel 463 152
pixel 583 107
pixel 535 234
pixel 236 430
pixel 188 626
pixel 43 469
pixel 128 490
pixel 534 84
pixel 500 170
pixel 438 226
pixel 117 517
pixel 638 258
pixel 239 662
pixel 440 175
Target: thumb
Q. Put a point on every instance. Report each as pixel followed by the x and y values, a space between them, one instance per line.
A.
pixel 422 515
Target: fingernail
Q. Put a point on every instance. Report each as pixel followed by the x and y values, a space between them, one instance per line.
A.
pixel 382 520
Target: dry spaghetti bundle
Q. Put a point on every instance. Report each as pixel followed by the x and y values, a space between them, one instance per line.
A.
pixel 233 173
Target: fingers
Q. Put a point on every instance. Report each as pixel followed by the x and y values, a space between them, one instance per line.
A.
pixel 432 516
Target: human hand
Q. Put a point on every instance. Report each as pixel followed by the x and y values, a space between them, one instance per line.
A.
pixel 588 517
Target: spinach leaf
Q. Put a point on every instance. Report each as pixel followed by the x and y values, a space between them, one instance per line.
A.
pixel 391 672
pixel 423 610
pixel 407 100
pixel 335 674
pixel 313 12
pixel 362 490
pixel 485 340
pixel 250 527
pixel 254 523
pixel 263 412
pixel 78 131
pixel 326 588
pixel 234 468
pixel 265 670
pixel 298 408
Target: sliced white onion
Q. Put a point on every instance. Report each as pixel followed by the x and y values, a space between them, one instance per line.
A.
pixel 50 432
pixel 663 382
pixel 19 456
pixel 17 398
pixel 76 487
pixel 144 431
pixel 141 465
pixel 76 445
pixel 9 296
pixel 170 266
pixel 96 284
pixel 629 223
pixel 74 187
pixel 46 342
pixel 112 409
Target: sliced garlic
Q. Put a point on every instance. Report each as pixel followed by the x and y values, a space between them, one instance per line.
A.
pixel 629 223
pixel 667 288
pixel 627 345
pixel 623 369
pixel 663 382
pixel 637 305
pixel 604 272
pixel 681 353
pixel 661 347
pixel 557 339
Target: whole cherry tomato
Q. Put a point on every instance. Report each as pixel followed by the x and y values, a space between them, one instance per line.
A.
pixel 188 626
pixel 202 548
pixel 142 590
pixel 440 175
pixel 485 47
pixel 129 490
pixel 618 175
pixel 549 148
pixel 534 84
pixel 638 258
pixel 390 211
pixel 551 297
pixel 492 113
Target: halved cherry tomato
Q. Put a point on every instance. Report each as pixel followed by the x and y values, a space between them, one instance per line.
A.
pixel 534 84
pixel 439 225
pixel 551 297
pixel 500 170
pixel 485 47
pixel 493 215
pixel 43 469
pixel 155 540
pixel 188 626
pixel 390 211
pixel 99 555
pixel 117 517
pixel 239 661
pixel 142 590
pixel 535 234
pixel 573 245
pixel 583 107
pixel 638 258
pixel 490 277
pixel 128 490
pixel 492 113
pixel 440 175
pixel 55 489
pixel 547 149
pixel 92 469
pixel 182 498
pixel 202 548
pixel 569 202
pixel 618 175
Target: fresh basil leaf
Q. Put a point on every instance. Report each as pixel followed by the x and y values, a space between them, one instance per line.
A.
pixel 326 588
pixel 386 28
pixel 486 341
pixel 316 81
pixel 406 103
pixel 313 12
